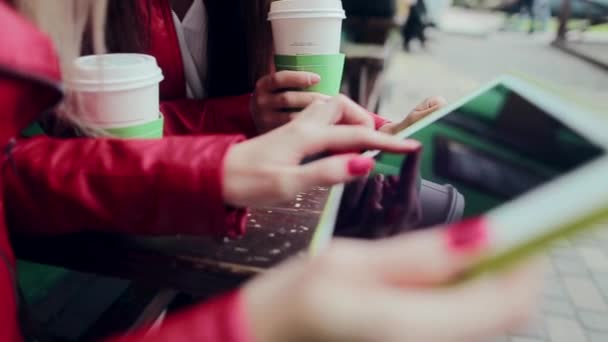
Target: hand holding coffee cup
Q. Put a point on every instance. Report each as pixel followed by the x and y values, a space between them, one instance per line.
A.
pixel 307 36
pixel 279 94
pixel 118 94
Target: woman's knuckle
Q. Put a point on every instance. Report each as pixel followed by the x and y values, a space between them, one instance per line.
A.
pixel 334 99
pixel 283 187
pixel 341 97
pixel 361 133
pixel 285 100
pixel 307 130
pixel 367 121
pixel 276 80
pixel 260 83
pixel 261 101
pixel 318 102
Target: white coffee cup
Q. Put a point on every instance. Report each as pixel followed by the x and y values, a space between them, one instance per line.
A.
pixel 116 90
pixel 306 27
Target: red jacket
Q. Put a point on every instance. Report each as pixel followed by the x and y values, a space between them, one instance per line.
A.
pixel 227 115
pixel 176 182
pixel 170 186
pixel 109 184
pixel 51 186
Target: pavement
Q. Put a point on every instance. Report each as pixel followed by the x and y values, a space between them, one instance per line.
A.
pixel 596 50
pixel 575 297
pixel 453 65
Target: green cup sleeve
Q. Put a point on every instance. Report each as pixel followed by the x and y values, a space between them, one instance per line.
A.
pixel 150 130
pixel 329 67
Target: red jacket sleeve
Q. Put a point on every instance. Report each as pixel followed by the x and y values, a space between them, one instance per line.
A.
pixel 378 120
pixel 226 115
pixel 221 320
pixel 9 330
pixel 157 187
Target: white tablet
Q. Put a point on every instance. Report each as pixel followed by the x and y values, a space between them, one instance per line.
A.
pixel 533 165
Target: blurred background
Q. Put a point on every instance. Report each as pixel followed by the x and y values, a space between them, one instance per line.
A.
pixel 402 51
pixel 469 42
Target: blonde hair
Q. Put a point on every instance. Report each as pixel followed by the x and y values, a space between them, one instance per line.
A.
pixel 66 22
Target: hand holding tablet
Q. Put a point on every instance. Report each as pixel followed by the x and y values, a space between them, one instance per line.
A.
pixel 530 165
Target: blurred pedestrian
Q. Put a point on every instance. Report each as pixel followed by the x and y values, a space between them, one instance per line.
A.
pixel 532 11
pixel 542 11
pixel 415 24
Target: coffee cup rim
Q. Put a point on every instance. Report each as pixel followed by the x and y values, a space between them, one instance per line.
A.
pixel 115 85
pixel 303 5
pixel 310 13
pixel 121 71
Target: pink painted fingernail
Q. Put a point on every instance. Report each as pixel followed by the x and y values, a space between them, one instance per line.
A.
pixel 467 236
pixel 360 166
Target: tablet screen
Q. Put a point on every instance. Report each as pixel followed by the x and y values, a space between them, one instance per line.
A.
pixel 497 147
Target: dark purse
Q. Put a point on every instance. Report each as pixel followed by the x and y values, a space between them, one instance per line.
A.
pixel 382 205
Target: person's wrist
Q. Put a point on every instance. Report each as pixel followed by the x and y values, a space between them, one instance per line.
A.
pixel 280 305
pixel 263 312
pixel 247 181
pixel 253 112
pixel 232 186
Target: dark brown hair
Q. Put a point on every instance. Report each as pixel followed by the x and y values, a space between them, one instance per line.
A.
pixel 126 33
pixel 240 45
pixel 259 41
pixel 239 48
pixel 125 15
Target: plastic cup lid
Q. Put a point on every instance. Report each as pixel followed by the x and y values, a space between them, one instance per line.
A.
pixel 309 14
pixel 289 5
pixel 114 72
pixel 284 7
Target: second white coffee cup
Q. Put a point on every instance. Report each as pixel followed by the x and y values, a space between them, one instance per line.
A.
pixel 116 90
pixel 306 27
